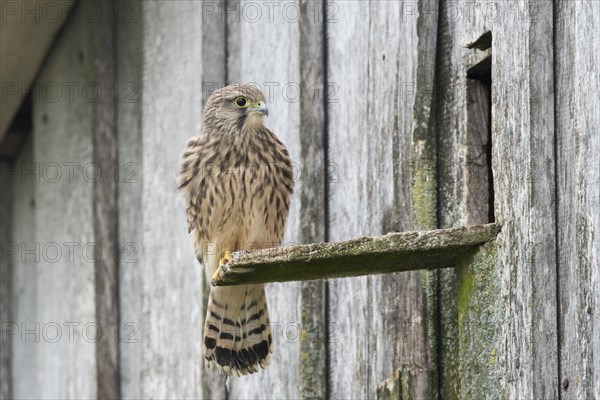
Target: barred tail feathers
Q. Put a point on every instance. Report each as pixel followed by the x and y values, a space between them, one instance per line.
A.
pixel 237 335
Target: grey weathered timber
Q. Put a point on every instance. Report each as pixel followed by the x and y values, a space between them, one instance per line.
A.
pixel 24 269
pixel 399 385
pixel 101 56
pixel 424 382
pixel 6 273
pixel 214 75
pixel 447 121
pixel 171 326
pixel 394 252
pixel 377 323
pixel 64 230
pixel 311 187
pixel 395 141
pixel 281 52
pixel 463 111
pixel 129 178
pixel 524 182
pixel 577 82
pixel 214 47
pixel 478 288
pixel 27 33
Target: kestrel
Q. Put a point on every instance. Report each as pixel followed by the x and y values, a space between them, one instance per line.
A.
pixel 237 179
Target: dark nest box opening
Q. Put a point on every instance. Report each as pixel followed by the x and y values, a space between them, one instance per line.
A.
pixel 479 92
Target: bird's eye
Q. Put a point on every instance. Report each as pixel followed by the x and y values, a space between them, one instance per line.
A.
pixel 241 102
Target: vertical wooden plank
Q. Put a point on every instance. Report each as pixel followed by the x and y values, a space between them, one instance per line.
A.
pixel 7 324
pixel 23 265
pixel 290 31
pixel 523 163
pixel 479 369
pixel 424 184
pixel 463 116
pixel 447 87
pixel 65 241
pixel 129 176
pixel 171 327
pixel 578 179
pixel 74 152
pixel 379 321
pixel 311 188
pixel 214 75
pixel 214 46
pixel 102 53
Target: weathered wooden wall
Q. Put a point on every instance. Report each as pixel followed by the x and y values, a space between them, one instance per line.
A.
pixel 577 113
pixel 171 281
pixel 377 56
pixel 525 199
pixel 64 226
pixel 130 56
pixel 294 88
pixel 23 293
pixel 6 298
pixel 387 134
pixel 463 112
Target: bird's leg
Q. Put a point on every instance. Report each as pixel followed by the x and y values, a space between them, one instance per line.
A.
pixel 225 259
pixel 222 261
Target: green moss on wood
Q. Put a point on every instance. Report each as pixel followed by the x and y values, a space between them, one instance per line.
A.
pixel 393 252
pixel 424 202
pixel 424 195
pixel 448 335
pixel 400 385
pixel 312 350
pixel 464 292
pixel 479 317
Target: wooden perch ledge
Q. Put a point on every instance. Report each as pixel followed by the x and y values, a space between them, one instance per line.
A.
pixel 394 252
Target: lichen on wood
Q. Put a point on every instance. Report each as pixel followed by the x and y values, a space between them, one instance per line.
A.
pixel 394 252
pixel 479 315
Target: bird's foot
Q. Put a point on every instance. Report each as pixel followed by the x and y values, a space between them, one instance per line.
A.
pixel 223 261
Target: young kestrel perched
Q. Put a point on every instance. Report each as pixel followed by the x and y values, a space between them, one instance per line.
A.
pixel 237 179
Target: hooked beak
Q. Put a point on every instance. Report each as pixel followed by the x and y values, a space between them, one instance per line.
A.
pixel 261 107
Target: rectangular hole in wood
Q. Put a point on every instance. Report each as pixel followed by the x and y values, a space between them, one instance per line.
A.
pixel 479 135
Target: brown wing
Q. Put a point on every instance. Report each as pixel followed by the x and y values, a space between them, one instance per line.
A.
pixel 283 179
pixel 192 160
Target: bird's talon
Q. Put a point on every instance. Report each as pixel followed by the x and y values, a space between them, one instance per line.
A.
pixel 215 277
pixel 226 258
pixel 222 267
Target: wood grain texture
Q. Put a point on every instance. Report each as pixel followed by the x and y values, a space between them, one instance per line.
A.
pixel 171 327
pixel 65 285
pixel 281 52
pixel 477 367
pixel 519 319
pixel 6 280
pixel 463 115
pixel 104 197
pixel 378 322
pixel 214 75
pixel 394 252
pixel 578 180
pixel 311 186
pixel 25 364
pixel 424 382
pixel 130 61
pixel 524 178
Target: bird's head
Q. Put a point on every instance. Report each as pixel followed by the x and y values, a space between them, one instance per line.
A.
pixel 236 107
